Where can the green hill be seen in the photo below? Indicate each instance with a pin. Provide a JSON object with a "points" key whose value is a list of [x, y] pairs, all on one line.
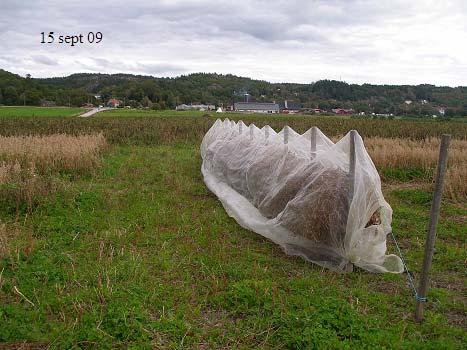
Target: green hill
{"points": [[161, 93]]}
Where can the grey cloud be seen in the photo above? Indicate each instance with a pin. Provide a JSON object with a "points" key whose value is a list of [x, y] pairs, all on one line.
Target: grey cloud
{"points": [[102, 62], [41, 59], [119, 66], [298, 40], [160, 68], [10, 59]]}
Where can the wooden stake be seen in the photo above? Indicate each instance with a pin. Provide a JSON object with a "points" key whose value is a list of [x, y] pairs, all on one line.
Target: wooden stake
{"points": [[314, 131], [431, 234], [352, 161]]}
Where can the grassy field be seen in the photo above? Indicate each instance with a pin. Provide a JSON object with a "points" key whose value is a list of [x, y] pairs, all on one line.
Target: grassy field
{"points": [[39, 111], [139, 254]]}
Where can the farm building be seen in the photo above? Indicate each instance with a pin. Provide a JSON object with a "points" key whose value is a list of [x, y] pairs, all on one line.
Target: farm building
{"points": [[290, 107], [47, 103], [342, 111], [313, 110], [256, 107], [196, 107], [113, 103]]}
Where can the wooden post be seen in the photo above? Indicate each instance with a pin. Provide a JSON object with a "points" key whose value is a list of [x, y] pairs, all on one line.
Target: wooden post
{"points": [[286, 134], [352, 161], [314, 131], [431, 234]]}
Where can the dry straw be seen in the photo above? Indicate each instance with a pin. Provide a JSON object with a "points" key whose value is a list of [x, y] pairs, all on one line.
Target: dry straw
{"points": [[403, 153], [53, 152], [422, 154], [27, 161]]}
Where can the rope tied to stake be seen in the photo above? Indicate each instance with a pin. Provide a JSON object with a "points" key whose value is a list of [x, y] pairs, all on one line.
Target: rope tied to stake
{"points": [[410, 278]]}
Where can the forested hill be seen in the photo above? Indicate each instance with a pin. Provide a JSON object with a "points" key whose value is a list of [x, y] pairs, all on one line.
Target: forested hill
{"points": [[154, 92]]}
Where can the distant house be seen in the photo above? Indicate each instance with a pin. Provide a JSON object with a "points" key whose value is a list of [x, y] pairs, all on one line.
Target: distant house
{"points": [[47, 103], [290, 107], [113, 103], [314, 110], [195, 107], [342, 111], [442, 110], [256, 107]]}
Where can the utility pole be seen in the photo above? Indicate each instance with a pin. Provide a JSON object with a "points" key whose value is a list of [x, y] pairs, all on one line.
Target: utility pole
{"points": [[233, 100]]}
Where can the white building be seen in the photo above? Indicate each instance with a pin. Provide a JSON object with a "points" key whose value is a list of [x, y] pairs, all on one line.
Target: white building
{"points": [[195, 107], [256, 107]]}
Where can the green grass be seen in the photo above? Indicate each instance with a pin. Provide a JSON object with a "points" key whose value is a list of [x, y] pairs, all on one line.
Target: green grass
{"points": [[141, 255], [29, 111]]}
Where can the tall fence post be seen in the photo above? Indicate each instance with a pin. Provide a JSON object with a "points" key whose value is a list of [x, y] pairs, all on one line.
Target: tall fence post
{"points": [[286, 134], [313, 141], [352, 161], [431, 233]]}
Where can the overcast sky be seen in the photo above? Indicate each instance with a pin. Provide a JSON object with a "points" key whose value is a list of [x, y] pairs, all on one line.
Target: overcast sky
{"points": [[378, 41]]}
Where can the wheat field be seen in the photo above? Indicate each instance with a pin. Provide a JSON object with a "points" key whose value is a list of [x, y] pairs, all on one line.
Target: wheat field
{"points": [[402, 153], [27, 163], [53, 152]]}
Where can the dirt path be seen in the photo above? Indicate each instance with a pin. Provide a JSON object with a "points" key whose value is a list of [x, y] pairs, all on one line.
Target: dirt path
{"points": [[94, 111]]}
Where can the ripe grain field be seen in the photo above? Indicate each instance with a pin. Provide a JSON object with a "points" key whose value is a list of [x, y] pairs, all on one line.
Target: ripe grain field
{"points": [[140, 254]]}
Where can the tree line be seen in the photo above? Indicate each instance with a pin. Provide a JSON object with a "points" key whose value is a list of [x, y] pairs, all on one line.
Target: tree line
{"points": [[222, 90]]}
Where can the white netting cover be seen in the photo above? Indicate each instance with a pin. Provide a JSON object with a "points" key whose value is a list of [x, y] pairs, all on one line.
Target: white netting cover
{"points": [[299, 194]]}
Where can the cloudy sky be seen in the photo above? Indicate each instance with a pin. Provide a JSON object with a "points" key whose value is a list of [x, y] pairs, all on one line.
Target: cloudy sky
{"points": [[358, 41]]}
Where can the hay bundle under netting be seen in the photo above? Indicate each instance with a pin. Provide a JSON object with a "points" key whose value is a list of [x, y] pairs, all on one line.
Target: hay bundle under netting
{"points": [[314, 198]]}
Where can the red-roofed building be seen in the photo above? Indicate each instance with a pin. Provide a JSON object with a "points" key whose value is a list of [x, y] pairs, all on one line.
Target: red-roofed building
{"points": [[343, 111], [113, 103]]}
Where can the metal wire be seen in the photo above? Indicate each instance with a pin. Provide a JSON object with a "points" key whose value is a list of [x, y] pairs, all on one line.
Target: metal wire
{"points": [[409, 274]]}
